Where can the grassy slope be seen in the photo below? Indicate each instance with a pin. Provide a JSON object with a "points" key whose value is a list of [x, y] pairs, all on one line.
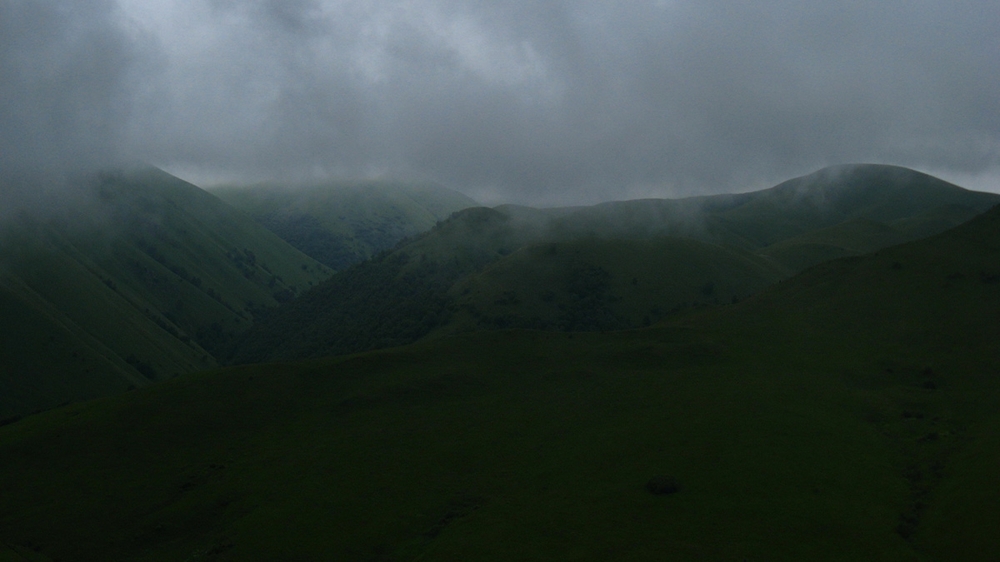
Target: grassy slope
{"points": [[605, 284], [32, 330], [916, 204], [431, 284], [847, 413], [497, 446], [343, 224], [841, 193], [913, 330], [148, 276], [850, 238], [392, 299], [836, 212]]}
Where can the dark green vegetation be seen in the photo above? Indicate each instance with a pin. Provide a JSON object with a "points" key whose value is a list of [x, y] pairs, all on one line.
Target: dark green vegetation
{"points": [[610, 266], [599, 284], [139, 278], [392, 299], [847, 413], [341, 224]]}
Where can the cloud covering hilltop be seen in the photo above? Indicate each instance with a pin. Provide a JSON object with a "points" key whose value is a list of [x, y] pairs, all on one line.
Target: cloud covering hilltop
{"points": [[525, 101]]}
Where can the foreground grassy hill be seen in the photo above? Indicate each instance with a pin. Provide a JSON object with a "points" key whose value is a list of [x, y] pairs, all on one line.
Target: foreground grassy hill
{"points": [[341, 224], [846, 413], [609, 266], [143, 278]]}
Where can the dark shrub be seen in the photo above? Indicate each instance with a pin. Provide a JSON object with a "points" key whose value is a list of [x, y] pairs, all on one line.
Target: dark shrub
{"points": [[661, 485]]}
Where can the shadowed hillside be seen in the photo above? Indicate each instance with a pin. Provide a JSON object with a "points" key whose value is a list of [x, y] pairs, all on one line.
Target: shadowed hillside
{"points": [[600, 284], [146, 277], [846, 413], [573, 269], [392, 299], [907, 204]]}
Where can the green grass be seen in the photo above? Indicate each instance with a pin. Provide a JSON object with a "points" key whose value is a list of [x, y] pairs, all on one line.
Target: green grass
{"points": [[877, 193], [605, 284], [537, 451], [146, 277], [393, 299], [883, 194], [847, 413], [851, 238], [573, 268]]}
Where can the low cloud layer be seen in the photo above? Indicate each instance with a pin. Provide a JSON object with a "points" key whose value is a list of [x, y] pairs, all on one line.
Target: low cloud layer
{"points": [[541, 101]]}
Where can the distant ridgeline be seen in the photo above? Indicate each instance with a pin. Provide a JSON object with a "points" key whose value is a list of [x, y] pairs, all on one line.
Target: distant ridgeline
{"points": [[610, 266], [144, 276], [341, 224], [141, 277]]}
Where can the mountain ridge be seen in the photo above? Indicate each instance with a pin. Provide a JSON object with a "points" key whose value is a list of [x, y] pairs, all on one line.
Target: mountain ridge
{"points": [[342, 223], [143, 278], [846, 412], [832, 213]]}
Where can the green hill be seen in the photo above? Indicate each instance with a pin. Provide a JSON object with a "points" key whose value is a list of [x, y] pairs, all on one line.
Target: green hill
{"points": [[144, 278], [846, 413], [917, 204], [849, 238], [573, 268], [341, 224], [599, 284], [392, 299]]}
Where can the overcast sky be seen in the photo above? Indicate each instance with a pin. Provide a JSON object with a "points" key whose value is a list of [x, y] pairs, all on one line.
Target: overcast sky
{"points": [[530, 101]]}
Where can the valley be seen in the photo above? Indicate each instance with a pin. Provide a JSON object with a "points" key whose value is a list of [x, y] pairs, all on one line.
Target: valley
{"points": [[147, 277], [811, 369], [341, 224], [434, 281], [610, 266]]}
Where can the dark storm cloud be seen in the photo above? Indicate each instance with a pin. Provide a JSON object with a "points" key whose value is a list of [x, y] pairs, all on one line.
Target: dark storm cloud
{"points": [[532, 101]]}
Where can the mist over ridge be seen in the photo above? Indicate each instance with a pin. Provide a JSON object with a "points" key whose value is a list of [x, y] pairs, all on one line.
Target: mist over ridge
{"points": [[547, 103]]}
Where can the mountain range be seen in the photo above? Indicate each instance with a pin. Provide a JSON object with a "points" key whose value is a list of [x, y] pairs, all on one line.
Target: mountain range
{"points": [[845, 411], [611, 266]]}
